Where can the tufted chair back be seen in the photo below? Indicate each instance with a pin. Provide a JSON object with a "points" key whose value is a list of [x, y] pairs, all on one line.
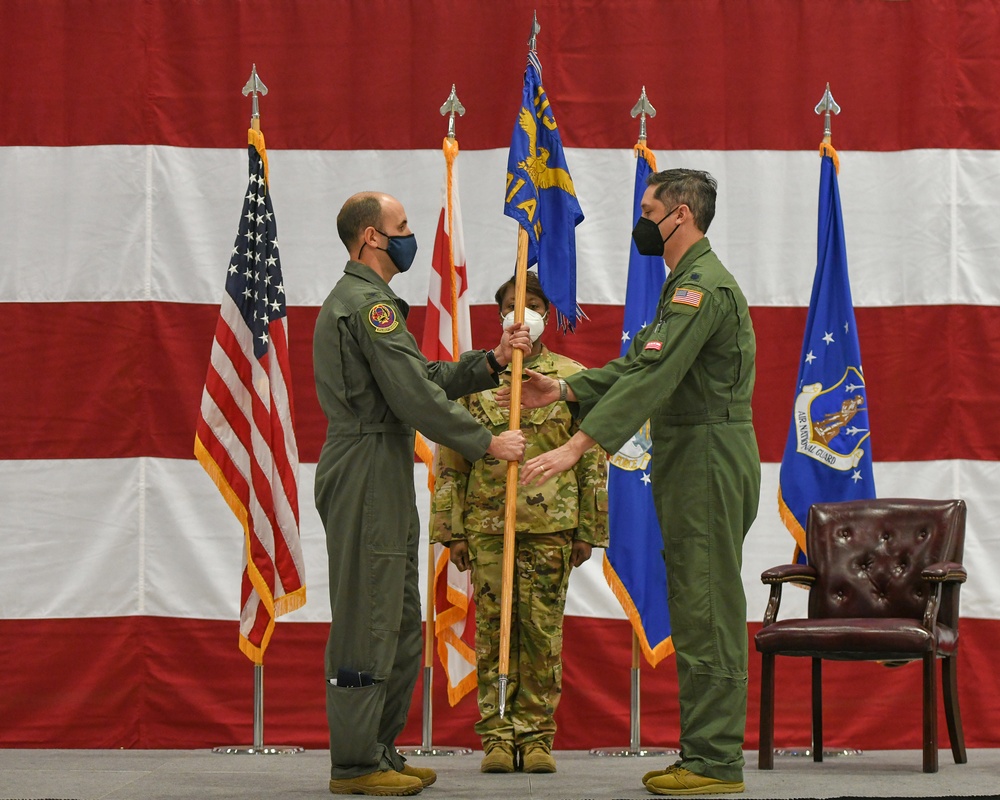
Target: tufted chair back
{"points": [[869, 555]]}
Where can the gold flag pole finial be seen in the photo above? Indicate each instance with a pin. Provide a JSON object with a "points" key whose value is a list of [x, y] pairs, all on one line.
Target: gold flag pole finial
{"points": [[643, 109], [451, 107], [826, 106], [255, 86]]}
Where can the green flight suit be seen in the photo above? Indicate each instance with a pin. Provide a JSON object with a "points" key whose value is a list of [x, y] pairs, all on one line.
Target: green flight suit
{"points": [[691, 373], [375, 387]]}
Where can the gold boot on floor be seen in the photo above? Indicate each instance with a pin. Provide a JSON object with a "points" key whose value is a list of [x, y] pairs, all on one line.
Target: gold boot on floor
{"points": [[425, 775], [499, 757], [384, 783], [680, 781], [536, 757]]}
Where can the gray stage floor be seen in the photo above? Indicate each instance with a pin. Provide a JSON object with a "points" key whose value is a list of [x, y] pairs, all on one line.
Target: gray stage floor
{"points": [[204, 775]]}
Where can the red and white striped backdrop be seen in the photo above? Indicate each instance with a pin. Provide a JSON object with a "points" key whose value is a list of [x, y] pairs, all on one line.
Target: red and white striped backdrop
{"points": [[123, 164]]}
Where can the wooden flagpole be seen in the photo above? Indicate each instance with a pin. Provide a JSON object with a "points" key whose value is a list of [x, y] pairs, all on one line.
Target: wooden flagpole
{"points": [[510, 510]]}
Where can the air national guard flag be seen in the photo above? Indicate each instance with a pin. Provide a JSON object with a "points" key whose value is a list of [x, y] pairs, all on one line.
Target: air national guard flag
{"points": [[541, 197], [828, 454], [633, 564], [245, 439]]}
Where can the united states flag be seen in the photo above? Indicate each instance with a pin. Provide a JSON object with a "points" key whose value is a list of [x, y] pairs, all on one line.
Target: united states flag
{"points": [[245, 438]]}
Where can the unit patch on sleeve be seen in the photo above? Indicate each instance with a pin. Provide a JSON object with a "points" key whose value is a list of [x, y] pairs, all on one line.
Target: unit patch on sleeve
{"points": [[383, 318], [689, 297]]}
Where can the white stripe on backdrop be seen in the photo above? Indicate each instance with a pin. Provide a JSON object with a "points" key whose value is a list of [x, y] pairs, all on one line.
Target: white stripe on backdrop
{"points": [[154, 222], [121, 537]]}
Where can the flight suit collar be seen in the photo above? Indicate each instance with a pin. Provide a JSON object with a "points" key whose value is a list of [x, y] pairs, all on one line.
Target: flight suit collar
{"points": [[694, 252], [366, 273]]}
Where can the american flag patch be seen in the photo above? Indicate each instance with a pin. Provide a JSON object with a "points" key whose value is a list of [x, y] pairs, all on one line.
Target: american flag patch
{"points": [[689, 297]]}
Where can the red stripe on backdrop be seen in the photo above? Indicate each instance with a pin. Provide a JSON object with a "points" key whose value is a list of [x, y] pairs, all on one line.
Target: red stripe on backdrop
{"points": [[170, 72], [143, 366], [153, 682]]}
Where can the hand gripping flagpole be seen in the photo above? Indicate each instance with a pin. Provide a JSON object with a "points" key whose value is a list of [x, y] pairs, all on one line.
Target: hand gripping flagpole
{"points": [[641, 109], [510, 504], [256, 86], [451, 107]]}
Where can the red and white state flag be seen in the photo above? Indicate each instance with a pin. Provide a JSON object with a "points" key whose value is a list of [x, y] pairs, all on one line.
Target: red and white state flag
{"points": [[448, 333]]}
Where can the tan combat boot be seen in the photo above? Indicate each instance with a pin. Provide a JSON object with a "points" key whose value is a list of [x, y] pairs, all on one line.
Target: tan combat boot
{"points": [[425, 775], [536, 757], [680, 781], [499, 757], [386, 782]]}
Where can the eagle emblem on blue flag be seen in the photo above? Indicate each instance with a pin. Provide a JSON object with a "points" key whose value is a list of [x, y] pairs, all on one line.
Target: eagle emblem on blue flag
{"points": [[832, 424]]}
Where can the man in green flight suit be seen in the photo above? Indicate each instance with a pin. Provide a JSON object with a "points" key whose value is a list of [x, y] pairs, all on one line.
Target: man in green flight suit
{"points": [[691, 374], [375, 388]]}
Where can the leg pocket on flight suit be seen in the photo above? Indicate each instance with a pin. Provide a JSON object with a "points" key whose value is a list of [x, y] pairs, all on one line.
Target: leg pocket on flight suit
{"points": [[385, 587], [354, 714]]}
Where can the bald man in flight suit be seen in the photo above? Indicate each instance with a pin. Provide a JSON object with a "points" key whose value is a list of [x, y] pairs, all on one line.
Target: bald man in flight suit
{"points": [[375, 388]]}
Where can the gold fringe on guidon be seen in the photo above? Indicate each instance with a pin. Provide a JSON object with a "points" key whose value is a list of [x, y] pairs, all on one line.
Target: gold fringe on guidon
{"points": [[654, 655]]}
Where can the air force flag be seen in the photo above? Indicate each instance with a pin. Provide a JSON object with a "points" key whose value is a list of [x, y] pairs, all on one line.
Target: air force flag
{"points": [[828, 455]]}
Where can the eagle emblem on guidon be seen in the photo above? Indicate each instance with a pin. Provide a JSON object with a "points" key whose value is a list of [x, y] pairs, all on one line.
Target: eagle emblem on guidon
{"points": [[823, 417], [634, 454]]}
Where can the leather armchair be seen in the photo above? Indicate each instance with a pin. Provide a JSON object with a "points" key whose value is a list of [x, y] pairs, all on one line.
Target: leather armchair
{"points": [[883, 578]]}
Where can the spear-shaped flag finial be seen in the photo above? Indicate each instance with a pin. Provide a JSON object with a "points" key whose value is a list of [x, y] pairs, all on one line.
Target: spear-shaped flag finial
{"points": [[643, 109], [827, 105], [451, 107], [255, 86], [535, 30]]}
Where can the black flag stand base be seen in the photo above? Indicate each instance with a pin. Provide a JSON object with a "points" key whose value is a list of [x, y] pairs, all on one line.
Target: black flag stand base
{"points": [[634, 749], [426, 748], [258, 748]]}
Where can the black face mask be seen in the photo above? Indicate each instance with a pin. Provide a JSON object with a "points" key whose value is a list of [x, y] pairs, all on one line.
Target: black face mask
{"points": [[647, 237]]}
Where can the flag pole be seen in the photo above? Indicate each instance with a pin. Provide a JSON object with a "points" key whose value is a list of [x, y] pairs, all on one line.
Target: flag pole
{"points": [[510, 504], [826, 106], [510, 509], [256, 86], [451, 107], [641, 109]]}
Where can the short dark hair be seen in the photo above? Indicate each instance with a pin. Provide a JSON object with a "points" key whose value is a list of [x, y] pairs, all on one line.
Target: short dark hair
{"points": [[361, 211], [691, 187], [531, 284]]}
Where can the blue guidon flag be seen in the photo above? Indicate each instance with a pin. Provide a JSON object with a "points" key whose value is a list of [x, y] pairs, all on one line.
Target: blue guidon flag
{"points": [[633, 566], [541, 197], [828, 455]]}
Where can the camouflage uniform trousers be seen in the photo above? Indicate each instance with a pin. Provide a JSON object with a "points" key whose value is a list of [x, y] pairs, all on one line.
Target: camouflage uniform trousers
{"points": [[541, 577]]}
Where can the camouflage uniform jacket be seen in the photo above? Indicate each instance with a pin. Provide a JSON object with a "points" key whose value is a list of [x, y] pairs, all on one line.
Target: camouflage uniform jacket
{"points": [[469, 496]]}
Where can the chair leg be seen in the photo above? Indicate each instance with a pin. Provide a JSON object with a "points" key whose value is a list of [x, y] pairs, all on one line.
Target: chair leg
{"points": [[930, 713], [765, 749], [817, 708], [952, 712]]}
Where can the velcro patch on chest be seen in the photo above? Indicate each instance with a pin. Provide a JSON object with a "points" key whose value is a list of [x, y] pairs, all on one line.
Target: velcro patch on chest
{"points": [[382, 317], [653, 346], [687, 297]]}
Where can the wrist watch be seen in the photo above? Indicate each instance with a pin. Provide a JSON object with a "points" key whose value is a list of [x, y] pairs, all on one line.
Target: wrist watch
{"points": [[491, 359]]}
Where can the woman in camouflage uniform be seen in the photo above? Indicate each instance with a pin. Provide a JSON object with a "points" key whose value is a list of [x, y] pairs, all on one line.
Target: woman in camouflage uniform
{"points": [[557, 525]]}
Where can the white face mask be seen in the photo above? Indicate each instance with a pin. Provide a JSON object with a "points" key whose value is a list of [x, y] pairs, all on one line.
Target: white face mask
{"points": [[534, 321]]}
